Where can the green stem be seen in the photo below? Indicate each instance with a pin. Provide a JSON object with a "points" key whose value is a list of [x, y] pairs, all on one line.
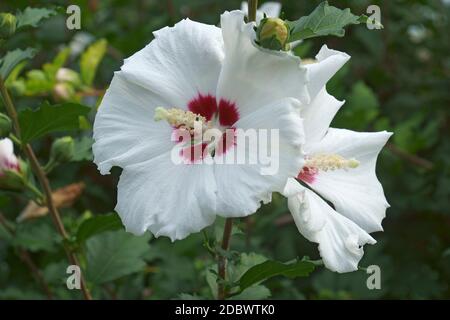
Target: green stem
{"points": [[15, 140], [207, 244], [252, 7], [222, 260], [50, 166]]}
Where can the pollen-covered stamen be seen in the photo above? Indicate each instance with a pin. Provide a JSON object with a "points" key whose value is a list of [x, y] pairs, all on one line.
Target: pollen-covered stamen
{"points": [[329, 162], [324, 162], [181, 119]]}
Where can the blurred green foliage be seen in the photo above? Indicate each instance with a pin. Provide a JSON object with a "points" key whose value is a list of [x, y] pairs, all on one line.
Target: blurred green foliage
{"points": [[398, 80]]}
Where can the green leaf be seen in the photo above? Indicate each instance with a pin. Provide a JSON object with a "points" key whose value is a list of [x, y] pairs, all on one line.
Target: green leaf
{"points": [[60, 60], [235, 272], [32, 16], [367, 20], [361, 109], [115, 254], [50, 118], [98, 224], [270, 269], [258, 292], [325, 20], [90, 60], [36, 236], [13, 58], [189, 297], [15, 72]]}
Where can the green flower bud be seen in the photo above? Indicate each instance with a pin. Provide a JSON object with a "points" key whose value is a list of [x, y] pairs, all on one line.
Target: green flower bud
{"points": [[7, 25], [68, 75], [63, 150], [18, 87], [11, 180], [5, 125], [14, 177], [273, 33], [63, 91]]}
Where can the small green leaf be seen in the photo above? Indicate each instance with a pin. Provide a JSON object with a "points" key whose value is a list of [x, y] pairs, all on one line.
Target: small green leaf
{"points": [[258, 292], [325, 20], [13, 58], [367, 20], [115, 254], [32, 16], [36, 236], [235, 272], [15, 72], [270, 269], [90, 60], [361, 109], [97, 225], [50, 118]]}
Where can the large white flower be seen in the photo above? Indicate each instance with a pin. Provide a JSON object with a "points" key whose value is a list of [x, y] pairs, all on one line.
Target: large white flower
{"points": [[340, 167], [222, 77]]}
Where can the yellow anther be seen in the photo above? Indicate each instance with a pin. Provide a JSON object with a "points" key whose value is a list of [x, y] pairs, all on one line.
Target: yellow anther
{"points": [[307, 61], [178, 117], [326, 162]]}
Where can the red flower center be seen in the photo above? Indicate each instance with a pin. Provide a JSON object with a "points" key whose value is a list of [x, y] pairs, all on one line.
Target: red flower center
{"points": [[223, 114], [208, 107]]}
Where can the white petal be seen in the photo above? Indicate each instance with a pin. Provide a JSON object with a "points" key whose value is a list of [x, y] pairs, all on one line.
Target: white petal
{"points": [[292, 188], [318, 116], [251, 76], [124, 130], [7, 157], [180, 63], [271, 9], [355, 193], [6, 148], [329, 62], [340, 240], [242, 187], [167, 199]]}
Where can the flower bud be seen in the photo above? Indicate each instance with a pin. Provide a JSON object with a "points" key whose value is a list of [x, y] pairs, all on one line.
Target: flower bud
{"points": [[18, 87], [68, 75], [8, 160], [63, 91], [12, 180], [273, 33], [5, 125], [7, 25], [11, 176], [63, 150]]}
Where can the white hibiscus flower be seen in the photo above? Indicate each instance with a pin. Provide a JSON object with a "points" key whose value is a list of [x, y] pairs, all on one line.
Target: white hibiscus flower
{"points": [[220, 77], [340, 167]]}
